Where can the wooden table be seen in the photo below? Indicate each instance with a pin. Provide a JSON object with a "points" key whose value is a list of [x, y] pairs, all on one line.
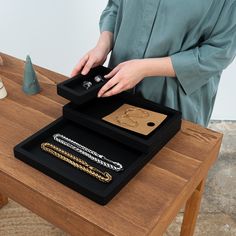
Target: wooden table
{"points": [[146, 206]]}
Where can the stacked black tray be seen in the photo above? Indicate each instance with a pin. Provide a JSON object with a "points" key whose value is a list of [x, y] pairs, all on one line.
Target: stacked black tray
{"points": [[82, 122]]}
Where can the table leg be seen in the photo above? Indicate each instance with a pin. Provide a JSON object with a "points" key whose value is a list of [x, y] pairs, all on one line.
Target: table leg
{"points": [[191, 211], [3, 200]]}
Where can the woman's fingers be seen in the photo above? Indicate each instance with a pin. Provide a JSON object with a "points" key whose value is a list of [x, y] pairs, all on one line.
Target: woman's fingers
{"points": [[112, 82], [118, 88], [79, 66], [113, 72], [75, 72], [87, 67]]}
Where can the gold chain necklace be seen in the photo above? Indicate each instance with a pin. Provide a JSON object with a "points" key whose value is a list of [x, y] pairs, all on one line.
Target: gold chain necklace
{"points": [[76, 162]]}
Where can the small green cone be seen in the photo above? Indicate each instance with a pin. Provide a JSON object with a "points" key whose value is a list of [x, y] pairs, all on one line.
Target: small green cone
{"points": [[30, 82]]}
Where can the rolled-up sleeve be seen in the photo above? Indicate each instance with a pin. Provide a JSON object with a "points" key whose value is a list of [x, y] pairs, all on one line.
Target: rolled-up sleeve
{"points": [[108, 17], [196, 66]]}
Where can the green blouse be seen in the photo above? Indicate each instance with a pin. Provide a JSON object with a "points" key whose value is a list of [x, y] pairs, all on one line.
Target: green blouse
{"points": [[198, 35]]}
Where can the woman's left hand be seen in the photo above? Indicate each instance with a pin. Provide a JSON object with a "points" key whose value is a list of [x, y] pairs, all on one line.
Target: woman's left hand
{"points": [[123, 77]]}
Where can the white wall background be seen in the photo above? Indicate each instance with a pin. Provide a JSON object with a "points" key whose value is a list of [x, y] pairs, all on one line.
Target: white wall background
{"points": [[56, 33]]}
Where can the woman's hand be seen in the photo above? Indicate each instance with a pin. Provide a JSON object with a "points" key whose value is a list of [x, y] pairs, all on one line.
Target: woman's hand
{"points": [[127, 74], [95, 57], [123, 77]]}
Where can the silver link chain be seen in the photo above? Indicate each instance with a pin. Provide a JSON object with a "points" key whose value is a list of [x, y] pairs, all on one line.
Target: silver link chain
{"points": [[92, 155]]}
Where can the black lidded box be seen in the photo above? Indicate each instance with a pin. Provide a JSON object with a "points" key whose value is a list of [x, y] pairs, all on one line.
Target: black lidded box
{"points": [[82, 122], [73, 89]]}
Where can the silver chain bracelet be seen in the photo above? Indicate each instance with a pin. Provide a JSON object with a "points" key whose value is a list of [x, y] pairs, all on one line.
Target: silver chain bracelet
{"points": [[92, 155]]}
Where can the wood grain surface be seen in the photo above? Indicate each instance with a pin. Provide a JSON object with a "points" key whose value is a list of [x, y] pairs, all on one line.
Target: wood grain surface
{"points": [[145, 206]]}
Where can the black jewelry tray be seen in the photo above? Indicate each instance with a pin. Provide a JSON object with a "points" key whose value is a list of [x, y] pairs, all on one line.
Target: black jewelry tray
{"points": [[29, 151], [90, 115], [73, 90]]}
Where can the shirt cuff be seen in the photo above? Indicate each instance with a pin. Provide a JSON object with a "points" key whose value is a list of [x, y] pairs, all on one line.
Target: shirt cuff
{"points": [[186, 69], [108, 24]]}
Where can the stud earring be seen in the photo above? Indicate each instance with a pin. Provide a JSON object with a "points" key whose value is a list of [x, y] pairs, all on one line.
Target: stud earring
{"points": [[98, 78]]}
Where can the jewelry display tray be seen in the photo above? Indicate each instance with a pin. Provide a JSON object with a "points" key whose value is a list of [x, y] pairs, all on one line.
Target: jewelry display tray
{"points": [[29, 151], [90, 115], [73, 90], [83, 124]]}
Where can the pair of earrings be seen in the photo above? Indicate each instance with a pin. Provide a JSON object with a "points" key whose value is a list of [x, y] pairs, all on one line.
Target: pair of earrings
{"points": [[87, 84], [129, 114]]}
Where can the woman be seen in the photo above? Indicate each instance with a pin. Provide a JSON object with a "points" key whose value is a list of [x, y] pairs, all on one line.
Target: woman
{"points": [[170, 52]]}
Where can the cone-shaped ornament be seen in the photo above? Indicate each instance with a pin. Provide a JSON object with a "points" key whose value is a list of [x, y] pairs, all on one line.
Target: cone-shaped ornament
{"points": [[30, 82], [3, 92]]}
